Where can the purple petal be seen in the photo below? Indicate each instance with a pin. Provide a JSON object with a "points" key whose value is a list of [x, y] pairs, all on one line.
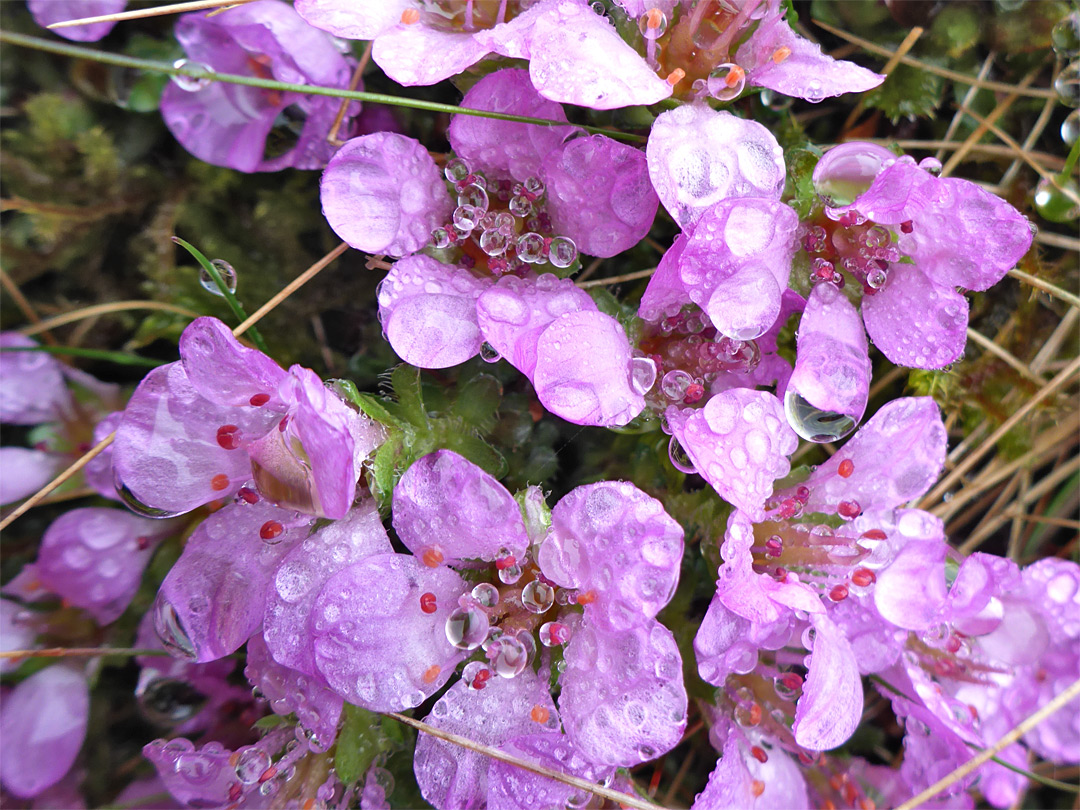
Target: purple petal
{"points": [[226, 373], [739, 442], [428, 311], [831, 705], [195, 778], [17, 632], [1054, 585], [32, 388], [577, 57], [506, 148], [213, 598], [166, 450], [46, 714], [511, 787], [98, 472], [730, 785], [614, 540], [832, 366], [374, 644], [453, 777], [514, 38], [973, 607], [805, 72], [446, 501], [698, 157], [349, 19], [419, 55], [599, 194], [583, 371], [723, 644], [291, 692], [515, 312], [95, 557], [623, 701], [666, 295], [915, 321], [894, 458], [47, 12], [25, 472], [383, 193], [737, 262], [910, 593], [303, 572]]}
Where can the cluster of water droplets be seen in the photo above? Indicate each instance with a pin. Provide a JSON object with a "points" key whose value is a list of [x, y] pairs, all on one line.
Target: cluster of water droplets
{"points": [[513, 237], [1056, 199]]}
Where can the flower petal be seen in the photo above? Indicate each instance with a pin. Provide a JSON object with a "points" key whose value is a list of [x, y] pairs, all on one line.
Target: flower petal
{"points": [[911, 592], [32, 388], [25, 472], [666, 295], [344, 19], [47, 12], [831, 704], [444, 53], [226, 373]]}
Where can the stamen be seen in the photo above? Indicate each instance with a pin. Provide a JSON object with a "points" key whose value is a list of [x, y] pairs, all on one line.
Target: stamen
{"points": [[839, 593], [271, 530], [849, 510], [431, 556], [863, 577], [874, 534], [586, 598], [907, 227], [219, 482], [539, 714], [676, 76], [758, 753], [846, 468], [259, 399], [248, 495], [757, 787], [228, 436], [431, 673], [410, 16], [428, 603], [735, 75], [781, 53]]}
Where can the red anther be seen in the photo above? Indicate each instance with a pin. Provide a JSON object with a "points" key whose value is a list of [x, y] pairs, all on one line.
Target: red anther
{"points": [[427, 603], [1040, 675], [431, 557], [907, 227], [806, 759], [284, 423], [759, 754], [248, 495], [792, 680], [268, 774], [802, 494], [694, 393], [481, 679], [235, 792], [755, 717], [863, 577], [781, 53], [835, 782], [505, 562], [259, 399], [774, 546], [410, 16], [676, 76], [973, 712], [849, 510], [539, 714], [219, 482], [431, 673], [654, 18], [846, 468], [270, 530], [735, 75], [839, 593], [851, 793], [142, 543], [228, 436], [83, 447], [874, 534], [757, 787], [828, 804], [309, 804], [867, 804], [586, 598], [953, 644], [780, 574]]}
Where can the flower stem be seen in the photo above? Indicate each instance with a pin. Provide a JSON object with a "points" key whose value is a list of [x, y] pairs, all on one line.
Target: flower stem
{"points": [[1070, 162], [120, 60]]}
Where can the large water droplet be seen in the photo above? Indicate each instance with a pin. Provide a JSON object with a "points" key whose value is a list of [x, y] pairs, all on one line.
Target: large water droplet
{"points": [[680, 459], [494, 242], [474, 196], [1065, 36], [537, 596], [1057, 204], [456, 170], [847, 170], [466, 217], [1067, 85], [553, 634], [642, 374], [1070, 128], [486, 594], [511, 657], [653, 24], [466, 628], [562, 252], [488, 353], [251, 764], [171, 630], [227, 273], [135, 505], [168, 701], [530, 247], [192, 83], [814, 424], [726, 81], [675, 383]]}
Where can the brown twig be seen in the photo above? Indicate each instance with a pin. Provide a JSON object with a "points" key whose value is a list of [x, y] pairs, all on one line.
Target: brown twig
{"points": [[354, 82]]}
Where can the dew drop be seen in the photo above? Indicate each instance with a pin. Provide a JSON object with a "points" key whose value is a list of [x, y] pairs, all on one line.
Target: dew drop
{"points": [[135, 505], [169, 701], [642, 374], [511, 657], [814, 424], [530, 247], [1070, 128], [510, 574], [456, 170], [846, 171], [440, 238], [251, 764], [552, 634], [1065, 36], [562, 252], [475, 196], [466, 217], [494, 242], [680, 459], [485, 594], [466, 628], [171, 630], [195, 83], [537, 596], [726, 81], [488, 353], [653, 24], [227, 273], [1056, 204], [1067, 85]]}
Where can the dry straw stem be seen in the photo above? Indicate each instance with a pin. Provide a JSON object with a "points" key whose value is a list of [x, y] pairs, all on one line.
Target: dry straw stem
{"points": [[1034, 281], [157, 11], [104, 309], [1002, 354], [604, 282], [78, 652], [624, 799], [27, 309], [969, 96], [987, 754], [945, 73], [890, 66]]}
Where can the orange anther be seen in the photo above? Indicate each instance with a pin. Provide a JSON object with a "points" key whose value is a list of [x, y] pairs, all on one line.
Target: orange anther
{"points": [[781, 53], [846, 468], [757, 787], [431, 557], [431, 673], [410, 16], [309, 804], [219, 482], [676, 76], [586, 598], [735, 75], [539, 714], [654, 18]]}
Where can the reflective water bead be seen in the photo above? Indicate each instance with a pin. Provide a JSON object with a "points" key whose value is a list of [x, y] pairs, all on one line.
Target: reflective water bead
{"points": [[441, 238], [227, 273], [251, 764], [474, 195], [504, 222], [653, 24], [821, 270], [493, 242], [194, 83], [1065, 36], [485, 594], [774, 100], [1057, 203], [552, 634], [1067, 85], [815, 238], [642, 374], [815, 424], [510, 574], [510, 657], [534, 186], [565, 596], [170, 630], [562, 252], [680, 459], [530, 247], [876, 277], [472, 670], [726, 81], [1070, 128], [466, 628], [520, 205], [488, 353], [537, 596], [456, 170], [466, 217], [846, 171], [675, 383], [168, 701]]}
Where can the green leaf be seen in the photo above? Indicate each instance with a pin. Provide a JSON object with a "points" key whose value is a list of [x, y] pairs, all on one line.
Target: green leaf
{"points": [[956, 29], [477, 451], [405, 380], [362, 738], [270, 721], [119, 358], [478, 402], [384, 470], [908, 92], [800, 187]]}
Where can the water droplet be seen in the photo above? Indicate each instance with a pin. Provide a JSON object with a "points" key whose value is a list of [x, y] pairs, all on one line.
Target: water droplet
{"points": [[192, 83], [537, 596], [530, 247], [553, 634], [1065, 36], [510, 657], [456, 170], [562, 252], [931, 165], [440, 238], [1067, 85], [846, 171], [534, 186], [168, 701], [680, 459], [475, 674], [510, 574], [774, 100], [520, 205], [474, 196], [653, 24], [488, 353], [135, 505], [171, 630], [1056, 204], [466, 628], [642, 374], [466, 217], [227, 273], [1070, 128], [493, 242], [726, 81], [814, 424], [675, 383], [251, 764], [485, 594], [876, 277]]}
